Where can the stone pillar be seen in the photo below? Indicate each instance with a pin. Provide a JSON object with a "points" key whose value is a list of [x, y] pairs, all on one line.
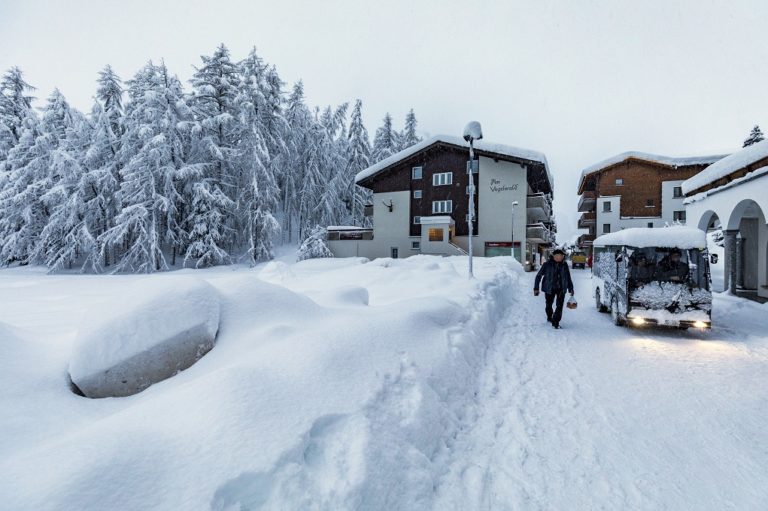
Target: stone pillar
{"points": [[729, 239]]}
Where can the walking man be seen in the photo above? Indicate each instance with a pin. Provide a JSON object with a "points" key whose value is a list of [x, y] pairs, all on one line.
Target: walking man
{"points": [[557, 280]]}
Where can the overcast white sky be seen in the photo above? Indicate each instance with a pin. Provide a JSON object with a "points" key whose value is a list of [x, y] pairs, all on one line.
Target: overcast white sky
{"points": [[580, 80]]}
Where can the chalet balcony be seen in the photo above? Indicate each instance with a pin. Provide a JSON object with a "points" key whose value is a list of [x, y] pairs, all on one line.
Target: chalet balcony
{"points": [[539, 233], [341, 233], [585, 240], [587, 201], [587, 220], [539, 207]]}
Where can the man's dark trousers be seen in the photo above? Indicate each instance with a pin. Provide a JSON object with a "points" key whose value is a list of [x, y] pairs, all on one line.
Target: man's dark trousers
{"points": [[557, 315]]}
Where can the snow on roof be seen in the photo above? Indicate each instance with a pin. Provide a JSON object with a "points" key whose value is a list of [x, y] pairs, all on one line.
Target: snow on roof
{"points": [[727, 165], [669, 237], [479, 145], [762, 171], [441, 219], [655, 158]]}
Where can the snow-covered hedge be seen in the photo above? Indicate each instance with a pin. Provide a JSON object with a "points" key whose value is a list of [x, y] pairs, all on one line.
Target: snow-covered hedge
{"points": [[314, 246], [153, 330]]}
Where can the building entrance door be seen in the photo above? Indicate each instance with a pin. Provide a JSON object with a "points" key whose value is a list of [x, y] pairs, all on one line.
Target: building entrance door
{"points": [[394, 252]]}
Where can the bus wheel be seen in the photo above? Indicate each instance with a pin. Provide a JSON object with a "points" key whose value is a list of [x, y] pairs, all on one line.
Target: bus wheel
{"points": [[599, 302], [615, 314]]}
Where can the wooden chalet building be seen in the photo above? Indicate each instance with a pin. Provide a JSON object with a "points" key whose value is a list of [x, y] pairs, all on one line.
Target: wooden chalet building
{"points": [[634, 189], [420, 203]]}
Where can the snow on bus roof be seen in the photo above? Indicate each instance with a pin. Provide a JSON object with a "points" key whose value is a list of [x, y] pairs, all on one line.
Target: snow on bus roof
{"points": [[668, 237], [479, 145], [727, 165], [655, 158]]}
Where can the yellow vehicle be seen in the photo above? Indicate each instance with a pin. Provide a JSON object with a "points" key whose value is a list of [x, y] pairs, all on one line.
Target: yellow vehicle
{"points": [[578, 259]]}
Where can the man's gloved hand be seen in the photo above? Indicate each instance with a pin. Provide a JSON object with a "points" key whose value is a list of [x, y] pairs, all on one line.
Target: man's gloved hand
{"points": [[535, 292]]}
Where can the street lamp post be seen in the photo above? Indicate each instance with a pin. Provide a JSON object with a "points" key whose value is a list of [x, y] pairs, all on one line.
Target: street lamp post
{"points": [[472, 132]]}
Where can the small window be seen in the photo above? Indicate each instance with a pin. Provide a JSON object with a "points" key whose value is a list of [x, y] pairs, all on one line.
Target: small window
{"points": [[607, 206], [415, 245], [606, 228], [417, 194], [650, 224], [416, 173], [417, 220], [677, 192], [442, 206], [442, 179], [679, 216], [650, 203], [435, 234], [475, 166], [619, 181]]}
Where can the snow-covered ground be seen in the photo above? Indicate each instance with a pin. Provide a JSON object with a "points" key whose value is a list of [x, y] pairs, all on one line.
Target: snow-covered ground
{"points": [[341, 384]]}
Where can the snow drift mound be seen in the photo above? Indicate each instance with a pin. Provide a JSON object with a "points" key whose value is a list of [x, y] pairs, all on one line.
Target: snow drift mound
{"points": [[153, 330]]}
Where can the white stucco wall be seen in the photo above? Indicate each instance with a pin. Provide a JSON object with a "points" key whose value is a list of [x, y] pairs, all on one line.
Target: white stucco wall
{"points": [[499, 184], [391, 229], [670, 204], [729, 205]]}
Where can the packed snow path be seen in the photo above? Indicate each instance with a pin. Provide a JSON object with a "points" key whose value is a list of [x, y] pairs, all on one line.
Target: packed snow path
{"points": [[599, 417]]}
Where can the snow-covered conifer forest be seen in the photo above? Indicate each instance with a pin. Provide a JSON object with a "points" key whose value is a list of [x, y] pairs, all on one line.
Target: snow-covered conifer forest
{"points": [[161, 174]]}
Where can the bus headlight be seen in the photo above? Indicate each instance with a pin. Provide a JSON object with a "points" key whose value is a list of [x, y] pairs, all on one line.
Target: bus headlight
{"points": [[699, 324], [638, 321]]}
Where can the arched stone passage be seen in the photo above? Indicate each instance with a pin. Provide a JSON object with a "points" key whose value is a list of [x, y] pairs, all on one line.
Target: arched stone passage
{"points": [[709, 222], [746, 243]]}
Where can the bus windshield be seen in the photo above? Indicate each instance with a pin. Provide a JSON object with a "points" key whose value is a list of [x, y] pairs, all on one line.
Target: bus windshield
{"points": [[654, 264]]}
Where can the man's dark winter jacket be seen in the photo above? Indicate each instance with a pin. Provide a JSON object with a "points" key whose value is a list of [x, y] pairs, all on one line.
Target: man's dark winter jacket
{"points": [[548, 272]]}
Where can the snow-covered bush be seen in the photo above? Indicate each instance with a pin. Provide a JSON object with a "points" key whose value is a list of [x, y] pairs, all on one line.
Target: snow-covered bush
{"points": [[314, 246], [153, 330]]}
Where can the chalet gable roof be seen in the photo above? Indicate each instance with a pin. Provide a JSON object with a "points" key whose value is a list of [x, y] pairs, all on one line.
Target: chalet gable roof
{"points": [[656, 159], [482, 148]]}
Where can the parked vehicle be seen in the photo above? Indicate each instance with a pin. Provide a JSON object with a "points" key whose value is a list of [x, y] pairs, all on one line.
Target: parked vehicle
{"points": [[653, 276], [578, 259]]}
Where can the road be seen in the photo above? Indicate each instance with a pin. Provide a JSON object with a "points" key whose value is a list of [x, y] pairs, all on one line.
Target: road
{"points": [[595, 416]]}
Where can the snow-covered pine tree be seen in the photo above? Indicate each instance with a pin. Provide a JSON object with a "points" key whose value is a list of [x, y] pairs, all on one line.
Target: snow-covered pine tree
{"points": [[297, 141], [314, 245], [15, 105], [16, 239], [153, 164], [258, 192], [358, 158], [212, 232], [409, 137], [110, 94], [385, 142], [65, 237], [100, 183], [318, 200], [755, 136]]}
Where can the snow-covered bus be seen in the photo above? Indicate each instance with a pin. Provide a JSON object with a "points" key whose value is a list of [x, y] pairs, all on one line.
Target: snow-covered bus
{"points": [[653, 276]]}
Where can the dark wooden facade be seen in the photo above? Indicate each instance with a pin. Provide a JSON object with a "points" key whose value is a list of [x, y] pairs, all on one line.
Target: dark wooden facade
{"points": [[641, 183]]}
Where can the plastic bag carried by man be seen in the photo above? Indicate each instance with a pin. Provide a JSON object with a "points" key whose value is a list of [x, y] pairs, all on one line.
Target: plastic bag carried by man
{"points": [[554, 278]]}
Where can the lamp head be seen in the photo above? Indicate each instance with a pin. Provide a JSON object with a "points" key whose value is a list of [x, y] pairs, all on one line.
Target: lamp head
{"points": [[473, 131]]}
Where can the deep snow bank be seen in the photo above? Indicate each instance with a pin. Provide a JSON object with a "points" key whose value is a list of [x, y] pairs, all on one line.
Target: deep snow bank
{"points": [[312, 399], [154, 329]]}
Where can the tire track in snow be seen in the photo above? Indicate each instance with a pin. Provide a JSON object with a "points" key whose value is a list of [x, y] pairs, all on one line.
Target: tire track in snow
{"points": [[534, 443]]}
